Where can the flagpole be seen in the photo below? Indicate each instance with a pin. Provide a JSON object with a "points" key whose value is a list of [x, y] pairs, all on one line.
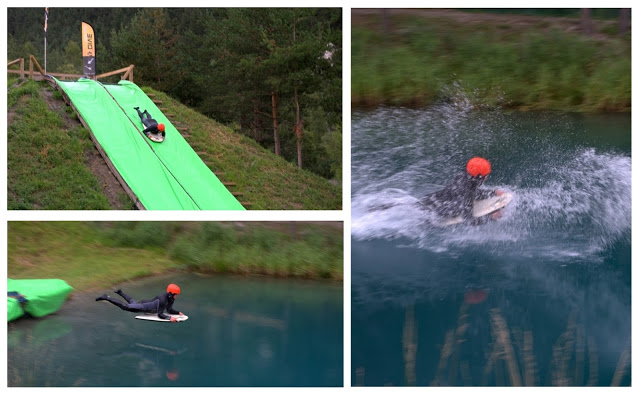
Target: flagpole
{"points": [[46, 19]]}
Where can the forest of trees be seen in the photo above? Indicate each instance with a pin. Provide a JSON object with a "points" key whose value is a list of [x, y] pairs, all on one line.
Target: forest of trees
{"points": [[273, 74]]}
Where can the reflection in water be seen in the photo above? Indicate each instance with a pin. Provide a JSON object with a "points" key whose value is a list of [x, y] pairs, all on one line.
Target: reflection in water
{"points": [[34, 362], [511, 360], [162, 358], [540, 297]]}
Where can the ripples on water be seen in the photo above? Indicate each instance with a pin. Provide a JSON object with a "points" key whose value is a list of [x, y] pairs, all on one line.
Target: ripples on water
{"points": [[571, 200]]}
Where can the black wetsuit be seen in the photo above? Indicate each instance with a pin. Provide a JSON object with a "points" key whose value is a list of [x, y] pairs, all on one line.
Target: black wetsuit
{"points": [[456, 198], [158, 304], [151, 125]]}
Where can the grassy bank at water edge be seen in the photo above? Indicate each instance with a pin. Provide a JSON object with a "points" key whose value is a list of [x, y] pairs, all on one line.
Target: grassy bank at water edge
{"points": [[100, 254]]}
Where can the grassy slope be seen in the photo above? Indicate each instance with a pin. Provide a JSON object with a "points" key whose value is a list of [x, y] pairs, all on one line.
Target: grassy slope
{"points": [[46, 157], [97, 255], [532, 63], [75, 252], [266, 180], [47, 165]]}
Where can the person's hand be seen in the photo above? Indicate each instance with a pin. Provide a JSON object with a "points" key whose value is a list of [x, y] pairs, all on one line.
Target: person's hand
{"points": [[180, 313], [499, 192], [496, 215], [173, 319]]}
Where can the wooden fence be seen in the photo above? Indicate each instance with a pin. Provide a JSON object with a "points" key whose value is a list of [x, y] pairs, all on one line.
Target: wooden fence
{"points": [[39, 73]]}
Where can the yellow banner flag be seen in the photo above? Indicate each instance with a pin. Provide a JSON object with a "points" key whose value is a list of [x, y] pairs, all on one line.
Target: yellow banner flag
{"points": [[88, 50]]}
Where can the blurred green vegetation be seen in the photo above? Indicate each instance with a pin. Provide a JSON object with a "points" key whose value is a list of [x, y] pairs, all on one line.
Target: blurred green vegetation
{"points": [[530, 66], [600, 13], [99, 254]]}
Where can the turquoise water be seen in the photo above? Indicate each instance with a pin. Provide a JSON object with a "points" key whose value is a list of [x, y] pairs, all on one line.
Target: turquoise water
{"points": [[240, 332], [540, 297]]}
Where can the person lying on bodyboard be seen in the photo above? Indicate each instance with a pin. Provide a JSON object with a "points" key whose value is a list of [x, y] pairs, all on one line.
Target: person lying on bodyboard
{"points": [[457, 198], [158, 304], [152, 130]]}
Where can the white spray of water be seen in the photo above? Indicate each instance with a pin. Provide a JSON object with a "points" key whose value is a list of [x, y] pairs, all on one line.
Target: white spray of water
{"points": [[569, 202]]}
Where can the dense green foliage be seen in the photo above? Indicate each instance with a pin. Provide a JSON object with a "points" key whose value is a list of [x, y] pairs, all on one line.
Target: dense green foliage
{"points": [[100, 254], [224, 63], [47, 167], [428, 58], [292, 249]]}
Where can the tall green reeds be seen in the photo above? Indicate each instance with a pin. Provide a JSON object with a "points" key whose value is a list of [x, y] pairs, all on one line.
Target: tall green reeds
{"points": [[498, 66], [218, 247], [281, 249]]}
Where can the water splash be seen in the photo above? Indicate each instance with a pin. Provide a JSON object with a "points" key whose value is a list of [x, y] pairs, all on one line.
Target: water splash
{"points": [[571, 201]]}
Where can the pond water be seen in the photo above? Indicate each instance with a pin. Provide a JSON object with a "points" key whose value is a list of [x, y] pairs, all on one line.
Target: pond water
{"points": [[240, 332], [540, 297]]}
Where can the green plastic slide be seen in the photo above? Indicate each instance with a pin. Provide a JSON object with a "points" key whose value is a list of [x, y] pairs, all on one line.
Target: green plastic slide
{"points": [[44, 296], [175, 153], [14, 310], [164, 176]]}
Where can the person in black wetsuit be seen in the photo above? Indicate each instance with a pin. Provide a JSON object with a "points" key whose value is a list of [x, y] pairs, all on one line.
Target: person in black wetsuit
{"points": [[158, 304], [151, 125], [456, 199]]}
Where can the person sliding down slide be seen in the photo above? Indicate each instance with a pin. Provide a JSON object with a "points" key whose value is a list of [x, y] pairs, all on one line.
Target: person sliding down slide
{"points": [[457, 198], [157, 304], [153, 130]]}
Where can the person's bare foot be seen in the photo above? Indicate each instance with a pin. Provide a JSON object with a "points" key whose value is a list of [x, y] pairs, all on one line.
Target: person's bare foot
{"points": [[496, 215]]}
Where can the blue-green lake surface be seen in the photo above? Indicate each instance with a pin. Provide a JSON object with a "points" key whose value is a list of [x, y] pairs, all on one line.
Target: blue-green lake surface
{"points": [[540, 297], [240, 332]]}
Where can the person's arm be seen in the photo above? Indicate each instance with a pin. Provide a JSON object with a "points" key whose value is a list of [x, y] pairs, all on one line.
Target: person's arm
{"points": [[171, 310], [169, 307], [469, 196], [161, 306], [486, 193], [483, 193], [467, 212]]}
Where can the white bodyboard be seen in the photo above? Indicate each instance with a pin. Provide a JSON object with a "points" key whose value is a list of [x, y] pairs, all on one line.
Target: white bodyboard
{"points": [[156, 137], [154, 317], [483, 207]]}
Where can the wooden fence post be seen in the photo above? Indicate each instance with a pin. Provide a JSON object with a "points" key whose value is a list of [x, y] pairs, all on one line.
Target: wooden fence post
{"points": [[33, 64]]}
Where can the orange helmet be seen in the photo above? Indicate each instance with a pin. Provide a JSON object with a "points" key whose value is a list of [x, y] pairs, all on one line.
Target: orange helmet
{"points": [[161, 127], [173, 289], [478, 166]]}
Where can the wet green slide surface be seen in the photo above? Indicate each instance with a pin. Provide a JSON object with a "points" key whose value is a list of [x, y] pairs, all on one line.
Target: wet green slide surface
{"points": [[196, 178], [165, 176]]}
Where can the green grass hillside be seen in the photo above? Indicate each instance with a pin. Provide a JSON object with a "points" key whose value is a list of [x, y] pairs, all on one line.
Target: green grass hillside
{"points": [[52, 163]]}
